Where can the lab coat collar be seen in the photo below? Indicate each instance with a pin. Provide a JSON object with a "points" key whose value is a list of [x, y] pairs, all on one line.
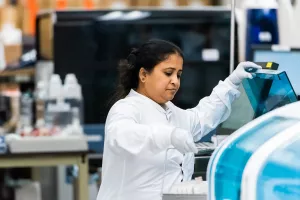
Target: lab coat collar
{"points": [[165, 110]]}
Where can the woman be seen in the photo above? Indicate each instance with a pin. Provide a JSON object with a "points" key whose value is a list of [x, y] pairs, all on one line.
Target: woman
{"points": [[143, 123]]}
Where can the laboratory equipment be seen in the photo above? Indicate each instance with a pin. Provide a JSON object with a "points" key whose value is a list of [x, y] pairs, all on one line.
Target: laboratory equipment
{"points": [[261, 27], [268, 65], [266, 92], [269, 90], [272, 172], [73, 95], [40, 95], [287, 58], [188, 190], [185, 197], [206, 146], [58, 112], [26, 112]]}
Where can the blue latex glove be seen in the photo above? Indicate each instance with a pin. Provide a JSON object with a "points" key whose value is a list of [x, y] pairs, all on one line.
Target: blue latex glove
{"points": [[240, 72]]}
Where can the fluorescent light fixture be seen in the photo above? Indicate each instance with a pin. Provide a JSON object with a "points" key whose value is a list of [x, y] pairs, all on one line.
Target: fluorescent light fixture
{"points": [[111, 15], [134, 15]]}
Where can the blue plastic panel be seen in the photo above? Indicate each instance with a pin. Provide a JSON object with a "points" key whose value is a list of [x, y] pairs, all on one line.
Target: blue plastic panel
{"points": [[230, 166], [280, 177], [268, 91], [260, 95]]}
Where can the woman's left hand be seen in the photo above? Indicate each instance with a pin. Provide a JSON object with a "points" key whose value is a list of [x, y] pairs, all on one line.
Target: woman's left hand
{"points": [[240, 72]]}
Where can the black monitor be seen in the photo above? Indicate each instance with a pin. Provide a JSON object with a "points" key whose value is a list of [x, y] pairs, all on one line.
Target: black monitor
{"points": [[91, 43]]}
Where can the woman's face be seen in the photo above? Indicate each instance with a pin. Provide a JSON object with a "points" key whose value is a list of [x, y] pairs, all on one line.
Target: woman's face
{"points": [[163, 82]]}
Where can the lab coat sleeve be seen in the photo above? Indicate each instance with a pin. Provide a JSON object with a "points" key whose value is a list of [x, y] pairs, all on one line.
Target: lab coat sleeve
{"points": [[213, 110], [207, 115], [124, 134]]}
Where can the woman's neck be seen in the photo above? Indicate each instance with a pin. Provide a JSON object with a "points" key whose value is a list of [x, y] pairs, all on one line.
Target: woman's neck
{"points": [[143, 92]]}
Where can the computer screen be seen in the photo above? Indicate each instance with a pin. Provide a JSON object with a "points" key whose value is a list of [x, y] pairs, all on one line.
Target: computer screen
{"points": [[288, 61]]}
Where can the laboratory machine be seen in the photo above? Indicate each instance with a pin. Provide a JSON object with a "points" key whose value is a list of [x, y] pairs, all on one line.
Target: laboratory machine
{"points": [[261, 27], [273, 171], [269, 90]]}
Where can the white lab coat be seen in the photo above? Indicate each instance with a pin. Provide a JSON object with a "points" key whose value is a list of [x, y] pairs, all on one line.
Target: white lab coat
{"points": [[137, 135]]}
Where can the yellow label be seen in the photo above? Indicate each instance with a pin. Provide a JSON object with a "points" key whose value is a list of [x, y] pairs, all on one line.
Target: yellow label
{"points": [[269, 65]]}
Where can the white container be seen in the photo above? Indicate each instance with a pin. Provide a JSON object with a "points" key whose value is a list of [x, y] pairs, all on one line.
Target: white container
{"points": [[2, 56], [73, 95], [58, 112]]}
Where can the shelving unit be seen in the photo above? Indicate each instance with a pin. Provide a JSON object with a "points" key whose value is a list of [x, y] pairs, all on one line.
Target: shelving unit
{"points": [[28, 71]]}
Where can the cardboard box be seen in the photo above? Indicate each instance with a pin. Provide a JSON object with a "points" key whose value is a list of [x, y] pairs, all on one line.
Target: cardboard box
{"points": [[75, 4], [188, 2], [12, 53], [8, 15], [28, 11], [142, 3], [105, 4], [155, 3], [46, 4], [46, 38], [26, 22], [207, 2], [182, 2]]}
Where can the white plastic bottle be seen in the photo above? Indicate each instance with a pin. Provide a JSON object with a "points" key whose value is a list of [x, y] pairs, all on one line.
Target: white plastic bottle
{"points": [[195, 4], [168, 4], [73, 94], [58, 112], [40, 100], [26, 112], [119, 4], [2, 55]]}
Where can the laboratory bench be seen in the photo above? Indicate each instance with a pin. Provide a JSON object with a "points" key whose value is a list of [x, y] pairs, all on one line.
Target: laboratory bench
{"points": [[49, 159]]}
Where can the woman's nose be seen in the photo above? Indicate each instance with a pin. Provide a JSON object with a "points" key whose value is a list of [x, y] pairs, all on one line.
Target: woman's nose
{"points": [[175, 80]]}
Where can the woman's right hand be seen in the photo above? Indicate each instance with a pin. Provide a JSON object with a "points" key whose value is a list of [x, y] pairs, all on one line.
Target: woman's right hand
{"points": [[240, 72], [183, 141]]}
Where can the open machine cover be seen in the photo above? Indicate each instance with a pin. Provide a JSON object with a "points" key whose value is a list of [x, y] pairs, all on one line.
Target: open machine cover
{"points": [[268, 90]]}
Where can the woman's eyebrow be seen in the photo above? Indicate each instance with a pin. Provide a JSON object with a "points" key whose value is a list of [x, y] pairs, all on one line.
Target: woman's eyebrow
{"points": [[173, 68]]}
